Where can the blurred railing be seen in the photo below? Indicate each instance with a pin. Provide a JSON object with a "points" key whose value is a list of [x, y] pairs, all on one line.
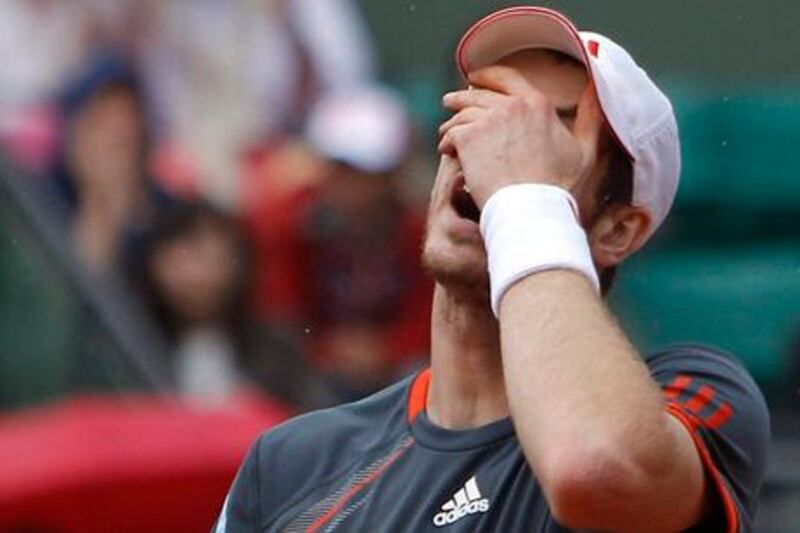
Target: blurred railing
{"points": [[62, 330]]}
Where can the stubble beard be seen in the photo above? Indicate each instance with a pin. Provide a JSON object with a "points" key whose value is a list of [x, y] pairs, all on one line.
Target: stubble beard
{"points": [[453, 270]]}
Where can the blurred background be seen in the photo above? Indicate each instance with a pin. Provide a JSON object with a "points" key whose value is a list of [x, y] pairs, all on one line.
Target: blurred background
{"points": [[211, 212]]}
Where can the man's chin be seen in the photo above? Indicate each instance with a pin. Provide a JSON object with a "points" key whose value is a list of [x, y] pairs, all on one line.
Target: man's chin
{"points": [[457, 275]]}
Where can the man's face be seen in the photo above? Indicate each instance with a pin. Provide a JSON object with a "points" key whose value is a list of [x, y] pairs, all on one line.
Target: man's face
{"points": [[194, 273], [453, 251], [356, 195]]}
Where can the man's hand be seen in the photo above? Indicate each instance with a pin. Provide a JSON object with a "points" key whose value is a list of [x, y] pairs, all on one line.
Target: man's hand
{"points": [[501, 140]]}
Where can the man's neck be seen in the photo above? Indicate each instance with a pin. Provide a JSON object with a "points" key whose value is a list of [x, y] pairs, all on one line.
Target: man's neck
{"points": [[467, 387]]}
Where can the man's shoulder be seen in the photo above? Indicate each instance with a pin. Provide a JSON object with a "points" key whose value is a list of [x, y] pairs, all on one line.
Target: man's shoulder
{"points": [[288, 463], [345, 418], [680, 365], [715, 397], [334, 435], [696, 357]]}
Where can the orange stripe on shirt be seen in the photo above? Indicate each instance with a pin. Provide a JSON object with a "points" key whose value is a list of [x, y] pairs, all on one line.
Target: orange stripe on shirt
{"points": [[701, 399], [691, 425], [418, 396], [719, 417], [677, 387]]}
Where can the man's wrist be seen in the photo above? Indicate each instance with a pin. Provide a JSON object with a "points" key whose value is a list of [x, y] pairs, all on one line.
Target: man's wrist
{"points": [[530, 228]]}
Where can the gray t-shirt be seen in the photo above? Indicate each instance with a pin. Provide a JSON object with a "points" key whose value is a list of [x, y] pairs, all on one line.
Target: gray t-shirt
{"points": [[380, 465]]}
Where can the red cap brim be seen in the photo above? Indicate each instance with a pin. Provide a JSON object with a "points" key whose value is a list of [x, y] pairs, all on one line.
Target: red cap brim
{"points": [[517, 28]]}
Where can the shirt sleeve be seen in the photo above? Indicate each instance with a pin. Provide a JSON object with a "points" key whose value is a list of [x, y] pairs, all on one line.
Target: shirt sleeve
{"points": [[241, 512], [721, 407]]}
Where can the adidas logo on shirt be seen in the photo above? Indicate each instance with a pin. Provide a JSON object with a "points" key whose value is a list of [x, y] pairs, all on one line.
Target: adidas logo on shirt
{"points": [[466, 501]]}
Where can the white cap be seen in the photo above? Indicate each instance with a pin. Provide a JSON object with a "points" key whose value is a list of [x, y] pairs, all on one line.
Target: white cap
{"points": [[367, 128], [639, 114]]}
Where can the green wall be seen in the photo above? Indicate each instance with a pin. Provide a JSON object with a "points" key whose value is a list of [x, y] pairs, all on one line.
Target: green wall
{"points": [[714, 41]]}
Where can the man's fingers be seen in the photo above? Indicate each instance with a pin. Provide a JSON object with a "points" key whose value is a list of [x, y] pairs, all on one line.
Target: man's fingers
{"points": [[447, 145], [449, 167], [448, 164], [465, 116], [501, 78], [458, 100], [450, 140]]}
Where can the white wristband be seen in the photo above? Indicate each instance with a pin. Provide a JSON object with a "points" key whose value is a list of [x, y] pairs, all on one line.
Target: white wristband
{"points": [[529, 228]]}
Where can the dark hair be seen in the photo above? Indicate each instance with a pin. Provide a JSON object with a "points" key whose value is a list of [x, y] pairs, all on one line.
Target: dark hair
{"points": [[616, 188], [184, 220], [104, 69]]}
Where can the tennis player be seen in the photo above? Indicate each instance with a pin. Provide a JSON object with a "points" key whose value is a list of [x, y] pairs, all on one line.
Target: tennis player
{"points": [[537, 414]]}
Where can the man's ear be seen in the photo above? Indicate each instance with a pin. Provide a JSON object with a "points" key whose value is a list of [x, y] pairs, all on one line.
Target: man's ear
{"points": [[617, 233]]}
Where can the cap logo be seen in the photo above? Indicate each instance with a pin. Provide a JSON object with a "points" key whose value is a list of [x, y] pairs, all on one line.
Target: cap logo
{"points": [[594, 47]]}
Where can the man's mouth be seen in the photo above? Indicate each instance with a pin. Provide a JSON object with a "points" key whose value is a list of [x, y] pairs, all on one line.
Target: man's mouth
{"points": [[464, 205]]}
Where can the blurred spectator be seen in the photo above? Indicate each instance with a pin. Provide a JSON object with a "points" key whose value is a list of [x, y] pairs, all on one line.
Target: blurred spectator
{"points": [[102, 168], [347, 246], [42, 42], [195, 274], [228, 75]]}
